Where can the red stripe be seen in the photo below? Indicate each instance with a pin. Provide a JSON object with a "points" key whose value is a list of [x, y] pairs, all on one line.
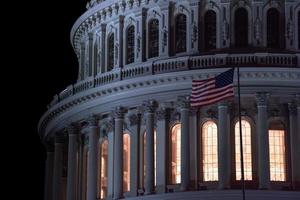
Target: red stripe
{"points": [[211, 101], [201, 81], [212, 96], [197, 94], [203, 85], [199, 91]]}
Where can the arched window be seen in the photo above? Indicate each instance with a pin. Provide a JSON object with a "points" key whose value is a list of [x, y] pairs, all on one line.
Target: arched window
{"points": [[126, 162], [277, 155], [180, 33], [130, 45], [110, 52], [175, 154], [241, 28], [299, 30], [273, 29], [145, 162], [210, 31], [247, 151], [153, 47], [210, 151], [104, 169]]}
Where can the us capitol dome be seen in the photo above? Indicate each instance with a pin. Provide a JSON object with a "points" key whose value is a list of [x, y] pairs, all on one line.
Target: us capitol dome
{"points": [[126, 129]]}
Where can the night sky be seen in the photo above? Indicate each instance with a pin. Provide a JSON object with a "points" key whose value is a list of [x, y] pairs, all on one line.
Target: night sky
{"points": [[44, 69]]}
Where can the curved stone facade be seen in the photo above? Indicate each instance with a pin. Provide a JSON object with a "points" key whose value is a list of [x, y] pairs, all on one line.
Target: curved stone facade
{"points": [[125, 128]]}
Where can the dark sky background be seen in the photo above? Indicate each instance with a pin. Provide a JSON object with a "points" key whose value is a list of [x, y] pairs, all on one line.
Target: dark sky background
{"points": [[46, 66]]}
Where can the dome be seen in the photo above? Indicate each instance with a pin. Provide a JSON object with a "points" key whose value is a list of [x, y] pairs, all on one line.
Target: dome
{"points": [[126, 128]]}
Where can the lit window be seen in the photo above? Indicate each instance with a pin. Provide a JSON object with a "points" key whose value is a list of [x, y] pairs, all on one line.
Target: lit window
{"points": [[104, 167], [277, 155], [210, 31], [210, 151], [153, 38], [154, 156], [180, 33], [110, 59], [130, 45], [126, 162], [175, 154], [247, 153]]}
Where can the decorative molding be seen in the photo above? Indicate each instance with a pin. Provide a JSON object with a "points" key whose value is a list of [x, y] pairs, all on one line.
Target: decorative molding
{"points": [[184, 102], [261, 98]]}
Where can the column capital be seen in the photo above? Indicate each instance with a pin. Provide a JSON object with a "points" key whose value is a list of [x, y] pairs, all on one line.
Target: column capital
{"points": [[133, 118], [119, 112], [261, 98], [162, 113], [73, 129], [184, 102], [150, 106], [292, 108], [60, 138], [297, 100], [92, 120], [223, 104]]}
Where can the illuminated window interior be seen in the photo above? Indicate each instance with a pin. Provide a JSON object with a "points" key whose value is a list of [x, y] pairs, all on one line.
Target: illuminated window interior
{"points": [[175, 154], [104, 167], [247, 153], [210, 151], [277, 155], [154, 157], [126, 162]]}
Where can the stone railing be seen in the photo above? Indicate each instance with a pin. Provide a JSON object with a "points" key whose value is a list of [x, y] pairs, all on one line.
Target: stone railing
{"points": [[178, 64]]}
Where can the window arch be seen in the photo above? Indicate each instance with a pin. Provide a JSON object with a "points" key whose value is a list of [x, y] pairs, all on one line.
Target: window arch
{"points": [[247, 151], [273, 29], [241, 28], [277, 152], [130, 45], [126, 162], [104, 169], [154, 157], [210, 30], [153, 36], [210, 151], [180, 33], [175, 154], [110, 52]]}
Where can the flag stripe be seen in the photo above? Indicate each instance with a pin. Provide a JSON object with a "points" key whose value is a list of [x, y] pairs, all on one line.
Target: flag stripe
{"points": [[211, 101], [215, 95], [209, 91]]}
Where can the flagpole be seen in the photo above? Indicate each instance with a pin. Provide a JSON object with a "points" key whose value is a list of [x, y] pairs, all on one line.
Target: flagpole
{"points": [[241, 139]]}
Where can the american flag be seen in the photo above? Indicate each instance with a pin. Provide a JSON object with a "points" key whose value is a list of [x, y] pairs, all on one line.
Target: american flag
{"points": [[212, 90]]}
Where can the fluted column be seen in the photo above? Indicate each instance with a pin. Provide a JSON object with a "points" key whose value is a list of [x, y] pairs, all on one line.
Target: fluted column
{"points": [[91, 47], [118, 153], [119, 44], [92, 159], [263, 141], [161, 149], [223, 145], [150, 107], [72, 165], [184, 104], [293, 143], [82, 61], [58, 167], [49, 173], [102, 47]]}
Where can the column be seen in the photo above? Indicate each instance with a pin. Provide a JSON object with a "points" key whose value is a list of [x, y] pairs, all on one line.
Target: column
{"points": [[91, 61], [164, 33], [263, 141], [102, 48], [194, 27], [293, 143], [140, 36], [194, 149], [92, 159], [150, 107], [82, 61], [119, 43], [223, 145], [80, 166], [58, 167], [49, 172], [118, 153], [134, 122], [184, 104], [72, 153], [297, 182], [161, 149]]}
